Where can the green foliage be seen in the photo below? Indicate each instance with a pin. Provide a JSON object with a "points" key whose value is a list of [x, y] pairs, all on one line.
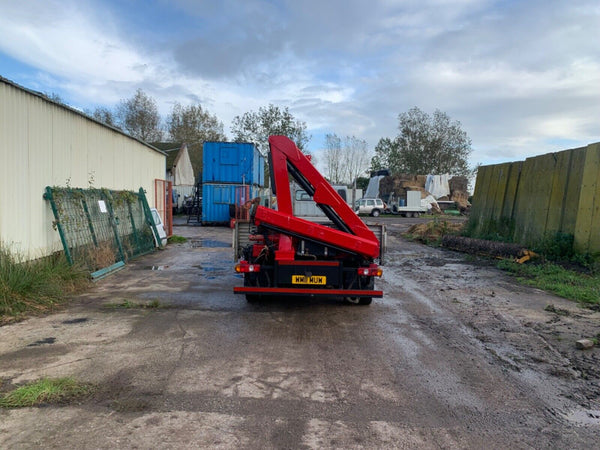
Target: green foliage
{"points": [[176, 239], [492, 230], [256, 127], [33, 286], [192, 124], [574, 285], [45, 391], [154, 304], [426, 144], [120, 198], [104, 115], [139, 117], [362, 183]]}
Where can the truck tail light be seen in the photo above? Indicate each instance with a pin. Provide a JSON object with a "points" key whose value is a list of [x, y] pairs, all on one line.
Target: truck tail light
{"points": [[245, 267], [372, 271]]}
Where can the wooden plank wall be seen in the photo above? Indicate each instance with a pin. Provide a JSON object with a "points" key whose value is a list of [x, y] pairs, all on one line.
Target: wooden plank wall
{"points": [[556, 192]]}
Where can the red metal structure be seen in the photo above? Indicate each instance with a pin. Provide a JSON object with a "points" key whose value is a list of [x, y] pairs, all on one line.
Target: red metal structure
{"points": [[163, 202], [293, 256]]}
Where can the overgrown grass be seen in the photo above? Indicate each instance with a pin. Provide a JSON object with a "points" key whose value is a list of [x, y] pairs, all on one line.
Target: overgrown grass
{"points": [[36, 286], [571, 284], [501, 230], [176, 239], [45, 391]]}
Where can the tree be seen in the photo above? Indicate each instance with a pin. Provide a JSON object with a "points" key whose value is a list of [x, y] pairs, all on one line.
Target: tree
{"points": [[333, 158], [356, 159], [256, 127], [345, 160], [139, 117], [426, 145], [387, 155], [193, 124], [104, 115]]}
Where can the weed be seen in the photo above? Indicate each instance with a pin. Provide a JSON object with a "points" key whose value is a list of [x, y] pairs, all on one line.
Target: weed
{"points": [[581, 287], [129, 304], [154, 304], [501, 230], [45, 391], [38, 285], [176, 239], [125, 304]]}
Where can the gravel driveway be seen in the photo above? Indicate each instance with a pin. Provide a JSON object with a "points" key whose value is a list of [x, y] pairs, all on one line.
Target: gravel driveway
{"points": [[456, 355]]}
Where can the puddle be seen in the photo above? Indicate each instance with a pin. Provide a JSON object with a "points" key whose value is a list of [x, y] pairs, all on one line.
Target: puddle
{"points": [[585, 416], [155, 267], [72, 321], [209, 243], [48, 340]]}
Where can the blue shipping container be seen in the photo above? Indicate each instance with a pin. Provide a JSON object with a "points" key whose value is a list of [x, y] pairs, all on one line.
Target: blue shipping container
{"points": [[216, 199], [232, 162]]}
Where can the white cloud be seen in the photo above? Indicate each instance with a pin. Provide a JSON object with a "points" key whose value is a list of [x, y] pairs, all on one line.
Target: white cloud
{"points": [[520, 76]]}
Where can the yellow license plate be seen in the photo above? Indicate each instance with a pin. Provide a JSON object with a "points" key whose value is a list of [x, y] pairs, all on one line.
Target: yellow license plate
{"points": [[316, 279]]}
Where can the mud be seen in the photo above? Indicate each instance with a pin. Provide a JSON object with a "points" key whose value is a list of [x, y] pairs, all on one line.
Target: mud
{"points": [[456, 355]]}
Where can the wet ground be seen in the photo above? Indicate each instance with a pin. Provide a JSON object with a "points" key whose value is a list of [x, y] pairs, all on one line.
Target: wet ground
{"points": [[456, 355]]}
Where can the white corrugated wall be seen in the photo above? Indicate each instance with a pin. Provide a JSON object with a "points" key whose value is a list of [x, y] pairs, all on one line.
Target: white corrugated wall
{"points": [[43, 144]]}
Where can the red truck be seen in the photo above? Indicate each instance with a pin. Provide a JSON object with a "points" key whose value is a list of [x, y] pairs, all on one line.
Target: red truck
{"points": [[292, 256]]}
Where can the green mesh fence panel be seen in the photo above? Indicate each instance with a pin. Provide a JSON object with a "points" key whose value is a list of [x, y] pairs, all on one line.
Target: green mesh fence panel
{"points": [[99, 227]]}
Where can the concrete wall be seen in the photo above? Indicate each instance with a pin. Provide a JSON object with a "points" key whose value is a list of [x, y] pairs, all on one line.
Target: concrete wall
{"points": [[556, 192], [43, 143]]}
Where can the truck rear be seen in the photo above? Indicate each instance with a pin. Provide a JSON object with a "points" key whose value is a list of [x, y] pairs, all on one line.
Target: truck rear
{"points": [[288, 255]]}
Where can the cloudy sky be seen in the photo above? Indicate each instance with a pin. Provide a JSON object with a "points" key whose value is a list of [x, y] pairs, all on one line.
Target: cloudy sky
{"points": [[523, 77]]}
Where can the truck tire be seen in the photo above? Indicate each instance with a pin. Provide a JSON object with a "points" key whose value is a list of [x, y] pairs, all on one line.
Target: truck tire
{"points": [[416, 214], [375, 213]]}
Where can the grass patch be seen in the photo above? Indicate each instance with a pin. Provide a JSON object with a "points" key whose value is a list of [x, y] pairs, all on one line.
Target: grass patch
{"points": [[46, 391], [176, 239], [36, 286], [581, 287]]}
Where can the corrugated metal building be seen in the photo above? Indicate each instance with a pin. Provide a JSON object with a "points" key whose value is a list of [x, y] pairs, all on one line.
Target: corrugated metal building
{"points": [[44, 143]]}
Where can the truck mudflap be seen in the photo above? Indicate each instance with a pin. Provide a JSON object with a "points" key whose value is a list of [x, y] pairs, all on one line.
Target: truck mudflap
{"points": [[253, 290]]}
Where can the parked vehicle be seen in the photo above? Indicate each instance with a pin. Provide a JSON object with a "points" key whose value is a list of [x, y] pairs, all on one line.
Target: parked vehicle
{"points": [[304, 205], [371, 206], [411, 206], [288, 255], [161, 239]]}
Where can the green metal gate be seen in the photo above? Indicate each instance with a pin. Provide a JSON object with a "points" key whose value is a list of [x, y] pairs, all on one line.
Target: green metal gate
{"points": [[99, 227]]}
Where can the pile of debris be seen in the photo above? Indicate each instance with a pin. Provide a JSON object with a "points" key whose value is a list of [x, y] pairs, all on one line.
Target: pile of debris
{"points": [[441, 187], [433, 231]]}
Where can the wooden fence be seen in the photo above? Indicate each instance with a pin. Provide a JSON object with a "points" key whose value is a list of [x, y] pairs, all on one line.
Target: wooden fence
{"points": [[543, 195]]}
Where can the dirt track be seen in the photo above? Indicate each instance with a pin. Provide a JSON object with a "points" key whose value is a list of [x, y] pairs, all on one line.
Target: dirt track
{"points": [[455, 355]]}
